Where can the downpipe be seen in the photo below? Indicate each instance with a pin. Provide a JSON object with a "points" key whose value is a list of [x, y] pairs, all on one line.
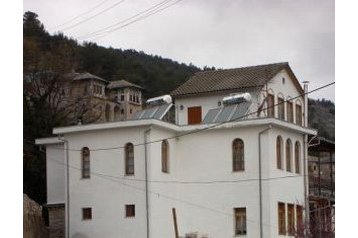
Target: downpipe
{"points": [[260, 178], [146, 134]]}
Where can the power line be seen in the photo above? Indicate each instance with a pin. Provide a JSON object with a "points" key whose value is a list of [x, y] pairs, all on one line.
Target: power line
{"points": [[80, 15], [208, 127], [138, 19], [146, 11], [91, 17]]}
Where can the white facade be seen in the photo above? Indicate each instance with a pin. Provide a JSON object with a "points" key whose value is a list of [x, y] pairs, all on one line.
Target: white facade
{"points": [[200, 184]]}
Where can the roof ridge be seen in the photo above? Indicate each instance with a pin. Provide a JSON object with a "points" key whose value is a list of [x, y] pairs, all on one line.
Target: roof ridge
{"points": [[252, 66]]}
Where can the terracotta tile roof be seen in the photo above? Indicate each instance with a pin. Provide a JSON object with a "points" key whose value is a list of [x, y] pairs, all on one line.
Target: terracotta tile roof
{"points": [[228, 79], [122, 84], [85, 75]]}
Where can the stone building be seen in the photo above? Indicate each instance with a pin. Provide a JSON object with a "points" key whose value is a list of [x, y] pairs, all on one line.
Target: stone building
{"points": [[107, 100]]}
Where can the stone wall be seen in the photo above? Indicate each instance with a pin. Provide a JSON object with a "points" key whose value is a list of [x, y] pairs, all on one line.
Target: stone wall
{"points": [[33, 223], [56, 215]]}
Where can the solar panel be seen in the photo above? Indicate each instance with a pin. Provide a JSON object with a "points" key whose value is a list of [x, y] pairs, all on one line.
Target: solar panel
{"points": [[157, 112], [241, 111], [225, 113], [137, 115], [148, 113], [162, 110], [211, 115]]}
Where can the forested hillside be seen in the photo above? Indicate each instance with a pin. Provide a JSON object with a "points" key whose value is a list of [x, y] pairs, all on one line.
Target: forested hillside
{"points": [[49, 57], [321, 115]]}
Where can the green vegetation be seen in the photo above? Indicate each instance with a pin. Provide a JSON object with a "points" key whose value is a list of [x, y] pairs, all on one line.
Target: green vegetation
{"points": [[321, 117]]}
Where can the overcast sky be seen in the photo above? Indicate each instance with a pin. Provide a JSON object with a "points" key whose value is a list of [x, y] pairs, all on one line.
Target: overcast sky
{"points": [[220, 33]]}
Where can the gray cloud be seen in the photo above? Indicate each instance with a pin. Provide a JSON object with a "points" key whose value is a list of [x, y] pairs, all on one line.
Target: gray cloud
{"points": [[216, 33]]}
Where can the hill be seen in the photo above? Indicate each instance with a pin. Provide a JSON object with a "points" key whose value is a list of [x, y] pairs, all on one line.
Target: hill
{"points": [[321, 116]]}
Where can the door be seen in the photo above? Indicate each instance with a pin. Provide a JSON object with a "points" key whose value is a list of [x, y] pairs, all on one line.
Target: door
{"points": [[194, 115]]}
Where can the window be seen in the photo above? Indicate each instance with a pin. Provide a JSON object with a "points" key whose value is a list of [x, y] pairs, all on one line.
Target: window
{"points": [[281, 108], [87, 213], [194, 115], [165, 156], [130, 210], [108, 112], [290, 219], [297, 157], [122, 98], [288, 155], [116, 113], [290, 111], [240, 221], [238, 161], [281, 219], [298, 114], [279, 152], [129, 159], [86, 172], [270, 105], [299, 217]]}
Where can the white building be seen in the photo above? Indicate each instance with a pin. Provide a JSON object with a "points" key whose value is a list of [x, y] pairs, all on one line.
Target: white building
{"points": [[229, 170]]}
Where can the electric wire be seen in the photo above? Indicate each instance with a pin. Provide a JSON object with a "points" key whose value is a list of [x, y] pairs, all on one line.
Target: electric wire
{"points": [[91, 17], [78, 16], [146, 11], [136, 20]]}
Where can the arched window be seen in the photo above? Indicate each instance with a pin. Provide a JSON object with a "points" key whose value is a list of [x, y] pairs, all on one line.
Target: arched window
{"points": [[288, 155], [298, 113], [279, 152], [86, 172], [108, 112], [129, 159], [297, 156], [165, 156], [238, 161], [281, 107], [116, 113]]}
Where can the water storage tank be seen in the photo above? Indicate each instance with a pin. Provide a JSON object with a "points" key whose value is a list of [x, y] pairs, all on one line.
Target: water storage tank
{"points": [[165, 99], [236, 99]]}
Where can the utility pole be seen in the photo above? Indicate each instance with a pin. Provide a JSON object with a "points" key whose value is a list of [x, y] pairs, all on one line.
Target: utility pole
{"points": [[175, 223]]}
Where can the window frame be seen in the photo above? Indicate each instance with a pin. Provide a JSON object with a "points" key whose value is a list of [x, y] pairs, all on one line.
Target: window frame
{"points": [[165, 156], [298, 157], [290, 219], [270, 105], [238, 155], [281, 211], [240, 216], [129, 159], [280, 108], [87, 213], [129, 210], [85, 163], [288, 155], [298, 109], [290, 115], [279, 152]]}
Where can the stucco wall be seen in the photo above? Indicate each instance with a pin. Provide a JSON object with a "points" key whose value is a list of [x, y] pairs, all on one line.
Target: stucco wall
{"points": [[107, 196], [55, 170]]}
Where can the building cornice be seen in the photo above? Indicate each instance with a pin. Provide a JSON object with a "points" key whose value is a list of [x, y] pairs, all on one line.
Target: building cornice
{"points": [[183, 128]]}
